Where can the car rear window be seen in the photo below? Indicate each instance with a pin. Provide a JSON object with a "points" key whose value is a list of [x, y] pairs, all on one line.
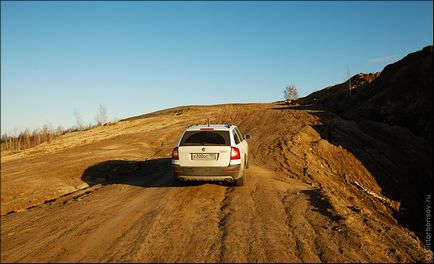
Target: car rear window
{"points": [[205, 138]]}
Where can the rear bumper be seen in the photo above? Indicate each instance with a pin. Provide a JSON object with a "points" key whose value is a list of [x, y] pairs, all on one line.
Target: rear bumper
{"points": [[230, 173]]}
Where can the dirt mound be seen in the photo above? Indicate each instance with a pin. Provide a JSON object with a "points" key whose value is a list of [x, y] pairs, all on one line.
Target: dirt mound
{"points": [[338, 98], [400, 95], [391, 133]]}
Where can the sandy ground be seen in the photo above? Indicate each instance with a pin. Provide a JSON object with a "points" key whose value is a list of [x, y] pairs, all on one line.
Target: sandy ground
{"points": [[108, 195]]}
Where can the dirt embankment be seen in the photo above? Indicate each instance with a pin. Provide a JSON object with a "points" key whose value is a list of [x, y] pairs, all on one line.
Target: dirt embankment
{"points": [[386, 122], [400, 95], [306, 197]]}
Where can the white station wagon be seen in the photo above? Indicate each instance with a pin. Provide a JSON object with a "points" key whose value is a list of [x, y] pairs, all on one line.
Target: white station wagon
{"points": [[213, 152]]}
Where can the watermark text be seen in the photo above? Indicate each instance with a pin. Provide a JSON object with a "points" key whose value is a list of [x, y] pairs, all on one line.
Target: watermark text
{"points": [[428, 221]]}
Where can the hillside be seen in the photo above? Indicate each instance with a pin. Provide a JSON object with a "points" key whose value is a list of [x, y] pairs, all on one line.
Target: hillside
{"points": [[395, 109], [400, 95], [324, 185]]}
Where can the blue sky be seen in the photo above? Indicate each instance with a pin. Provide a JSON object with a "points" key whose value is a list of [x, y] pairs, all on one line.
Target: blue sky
{"points": [[138, 57]]}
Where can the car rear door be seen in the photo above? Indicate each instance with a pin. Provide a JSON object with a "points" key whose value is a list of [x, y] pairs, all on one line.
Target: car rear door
{"points": [[205, 148]]}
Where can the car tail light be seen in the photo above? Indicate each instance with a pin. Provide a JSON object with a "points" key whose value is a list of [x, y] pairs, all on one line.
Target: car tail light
{"points": [[235, 153], [175, 154]]}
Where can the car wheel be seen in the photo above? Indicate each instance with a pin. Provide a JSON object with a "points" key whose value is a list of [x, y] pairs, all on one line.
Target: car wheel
{"points": [[178, 181], [241, 181]]}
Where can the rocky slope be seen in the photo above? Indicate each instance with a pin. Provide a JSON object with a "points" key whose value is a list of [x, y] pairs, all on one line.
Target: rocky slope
{"points": [[394, 109]]}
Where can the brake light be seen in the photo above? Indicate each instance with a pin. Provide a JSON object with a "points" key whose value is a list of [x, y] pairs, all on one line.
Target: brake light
{"points": [[235, 153], [175, 154], [207, 129]]}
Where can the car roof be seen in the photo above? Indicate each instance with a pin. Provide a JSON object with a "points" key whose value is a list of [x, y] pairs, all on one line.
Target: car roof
{"points": [[224, 127]]}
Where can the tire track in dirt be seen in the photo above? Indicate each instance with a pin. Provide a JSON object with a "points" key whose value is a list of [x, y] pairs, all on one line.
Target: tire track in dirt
{"points": [[224, 215], [252, 222], [271, 219]]}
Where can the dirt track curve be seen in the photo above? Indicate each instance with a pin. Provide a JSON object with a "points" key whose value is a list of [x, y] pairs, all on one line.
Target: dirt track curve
{"points": [[108, 195]]}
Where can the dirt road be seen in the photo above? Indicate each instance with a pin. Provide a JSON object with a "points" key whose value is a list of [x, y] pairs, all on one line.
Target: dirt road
{"points": [[298, 204]]}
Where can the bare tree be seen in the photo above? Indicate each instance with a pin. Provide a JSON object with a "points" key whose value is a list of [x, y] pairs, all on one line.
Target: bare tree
{"points": [[36, 135], [46, 133], [10, 143], [59, 130], [26, 139], [78, 119], [349, 82], [6, 140], [101, 118], [26, 135], [290, 93]]}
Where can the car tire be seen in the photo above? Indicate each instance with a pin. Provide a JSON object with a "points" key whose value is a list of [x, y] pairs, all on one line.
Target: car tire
{"points": [[242, 180], [178, 181]]}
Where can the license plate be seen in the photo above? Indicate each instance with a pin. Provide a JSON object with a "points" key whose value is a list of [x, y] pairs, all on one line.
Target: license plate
{"points": [[204, 156]]}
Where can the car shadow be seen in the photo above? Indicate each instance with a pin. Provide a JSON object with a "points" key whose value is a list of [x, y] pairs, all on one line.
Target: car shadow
{"points": [[147, 173]]}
